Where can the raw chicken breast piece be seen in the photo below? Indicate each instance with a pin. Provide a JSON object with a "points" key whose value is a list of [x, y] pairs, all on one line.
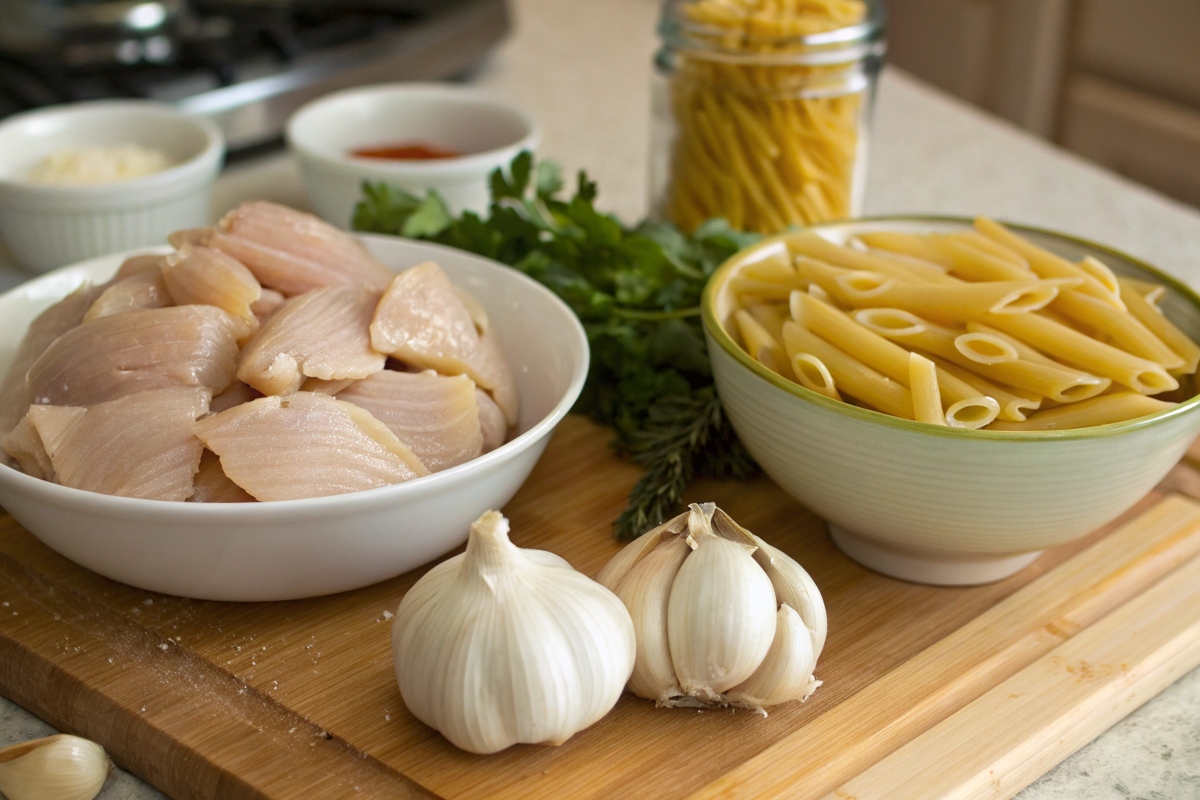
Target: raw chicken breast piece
{"points": [[235, 395], [212, 485], [435, 415], [322, 334], [126, 353], [135, 265], [326, 387], [199, 237], [491, 421], [267, 304], [422, 321], [140, 445], [209, 277], [144, 289], [294, 252], [48, 326], [25, 446], [306, 445]]}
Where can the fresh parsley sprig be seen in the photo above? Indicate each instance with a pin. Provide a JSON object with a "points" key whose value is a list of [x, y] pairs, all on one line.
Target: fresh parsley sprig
{"points": [[637, 292]]}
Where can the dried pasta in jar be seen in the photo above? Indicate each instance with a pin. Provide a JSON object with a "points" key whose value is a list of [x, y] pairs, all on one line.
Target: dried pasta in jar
{"points": [[765, 105]]}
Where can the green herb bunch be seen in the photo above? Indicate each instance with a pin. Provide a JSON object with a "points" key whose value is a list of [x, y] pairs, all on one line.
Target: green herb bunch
{"points": [[636, 291]]}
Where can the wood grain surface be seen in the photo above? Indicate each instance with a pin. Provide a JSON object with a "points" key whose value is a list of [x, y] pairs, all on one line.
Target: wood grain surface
{"points": [[298, 699]]}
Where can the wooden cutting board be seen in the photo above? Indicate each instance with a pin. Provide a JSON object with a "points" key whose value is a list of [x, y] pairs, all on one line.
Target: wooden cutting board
{"points": [[298, 699]]}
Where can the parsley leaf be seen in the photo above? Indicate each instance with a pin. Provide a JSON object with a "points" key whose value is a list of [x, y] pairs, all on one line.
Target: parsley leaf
{"points": [[637, 292]]}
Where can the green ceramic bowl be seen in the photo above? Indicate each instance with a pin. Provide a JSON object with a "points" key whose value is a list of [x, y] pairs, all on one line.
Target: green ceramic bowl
{"points": [[933, 504]]}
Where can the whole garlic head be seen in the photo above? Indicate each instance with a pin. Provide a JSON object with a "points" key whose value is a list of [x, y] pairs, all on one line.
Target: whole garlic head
{"points": [[501, 645], [721, 617]]}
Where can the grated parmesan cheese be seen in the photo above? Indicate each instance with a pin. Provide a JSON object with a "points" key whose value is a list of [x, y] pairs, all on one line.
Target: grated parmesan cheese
{"points": [[89, 165]]}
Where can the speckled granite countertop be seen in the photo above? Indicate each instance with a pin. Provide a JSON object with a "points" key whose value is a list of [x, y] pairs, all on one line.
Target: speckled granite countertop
{"points": [[583, 70]]}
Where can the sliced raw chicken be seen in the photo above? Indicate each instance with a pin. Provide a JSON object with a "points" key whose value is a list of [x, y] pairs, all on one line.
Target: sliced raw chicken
{"points": [[436, 416], [267, 304], [144, 289], [48, 326], [322, 334], [422, 321], [306, 445], [212, 486], [135, 265], [295, 252], [25, 446], [141, 445], [326, 387], [491, 421], [209, 277], [155, 348], [235, 395], [200, 237]]}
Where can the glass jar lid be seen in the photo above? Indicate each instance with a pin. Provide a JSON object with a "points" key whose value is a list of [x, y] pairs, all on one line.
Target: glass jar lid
{"points": [[738, 43]]}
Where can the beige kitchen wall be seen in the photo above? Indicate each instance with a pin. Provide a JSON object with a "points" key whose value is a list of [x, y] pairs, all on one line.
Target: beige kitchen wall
{"points": [[1118, 81]]}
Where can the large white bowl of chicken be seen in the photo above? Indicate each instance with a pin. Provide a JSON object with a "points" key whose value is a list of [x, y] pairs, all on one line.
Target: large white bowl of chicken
{"points": [[272, 409]]}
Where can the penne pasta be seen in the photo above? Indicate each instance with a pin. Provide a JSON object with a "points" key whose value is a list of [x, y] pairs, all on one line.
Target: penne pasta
{"points": [[1075, 348], [814, 246], [811, 373], [1024, 351], [923, 383], [975, 264], [760, 344], [1059, 383], [1122, 328], [905, 244], [1103, 410], [867, 346], [973, 413], [1045, 263], [985, 348], [1155, 321], [959, 303], [1012, 404], [969, 329], [851, 375]]}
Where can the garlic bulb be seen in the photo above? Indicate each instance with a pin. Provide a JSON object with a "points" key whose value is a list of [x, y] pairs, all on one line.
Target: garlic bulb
{"points": [[501, 645], [721, 617], [59, 767]]}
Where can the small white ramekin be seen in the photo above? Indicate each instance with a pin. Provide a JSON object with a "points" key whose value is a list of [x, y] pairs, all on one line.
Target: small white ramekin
{"points": [[487, 131], [47, 226]]}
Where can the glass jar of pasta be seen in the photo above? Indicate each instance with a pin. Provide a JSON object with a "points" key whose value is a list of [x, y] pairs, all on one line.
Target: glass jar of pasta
{"points": [[761, 110]]}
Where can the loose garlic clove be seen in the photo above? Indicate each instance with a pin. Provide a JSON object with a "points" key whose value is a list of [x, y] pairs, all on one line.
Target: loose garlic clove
{"points": [[787, 671], [501, 645], [721, 613], [743, 625], [60, 767], [645, 591]]}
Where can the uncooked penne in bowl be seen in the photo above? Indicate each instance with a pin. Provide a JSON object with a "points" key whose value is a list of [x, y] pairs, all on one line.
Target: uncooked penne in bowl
{"points": [[954, 394]]}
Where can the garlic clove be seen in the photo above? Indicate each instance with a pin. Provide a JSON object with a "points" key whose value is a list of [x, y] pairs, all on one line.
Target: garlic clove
{"points": [[501, 645], [645, 591], [794, 587], [60, 767], [787, 671], [619, 566], [721, 613]]}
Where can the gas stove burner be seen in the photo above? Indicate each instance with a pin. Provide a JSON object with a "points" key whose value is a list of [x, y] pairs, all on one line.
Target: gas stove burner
{"points": [[247, 64]]}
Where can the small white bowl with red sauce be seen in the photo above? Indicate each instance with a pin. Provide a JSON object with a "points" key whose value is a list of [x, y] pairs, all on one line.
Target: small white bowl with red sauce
{"points": [[417, 136]]}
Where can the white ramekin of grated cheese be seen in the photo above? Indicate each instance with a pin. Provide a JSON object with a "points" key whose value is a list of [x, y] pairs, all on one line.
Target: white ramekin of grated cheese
{"points": [[86, 179]]}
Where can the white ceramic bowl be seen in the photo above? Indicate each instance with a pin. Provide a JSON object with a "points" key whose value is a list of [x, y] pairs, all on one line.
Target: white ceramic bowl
{"points": [[47, 226], [933, 504], [304, 548], [487, 131]]}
